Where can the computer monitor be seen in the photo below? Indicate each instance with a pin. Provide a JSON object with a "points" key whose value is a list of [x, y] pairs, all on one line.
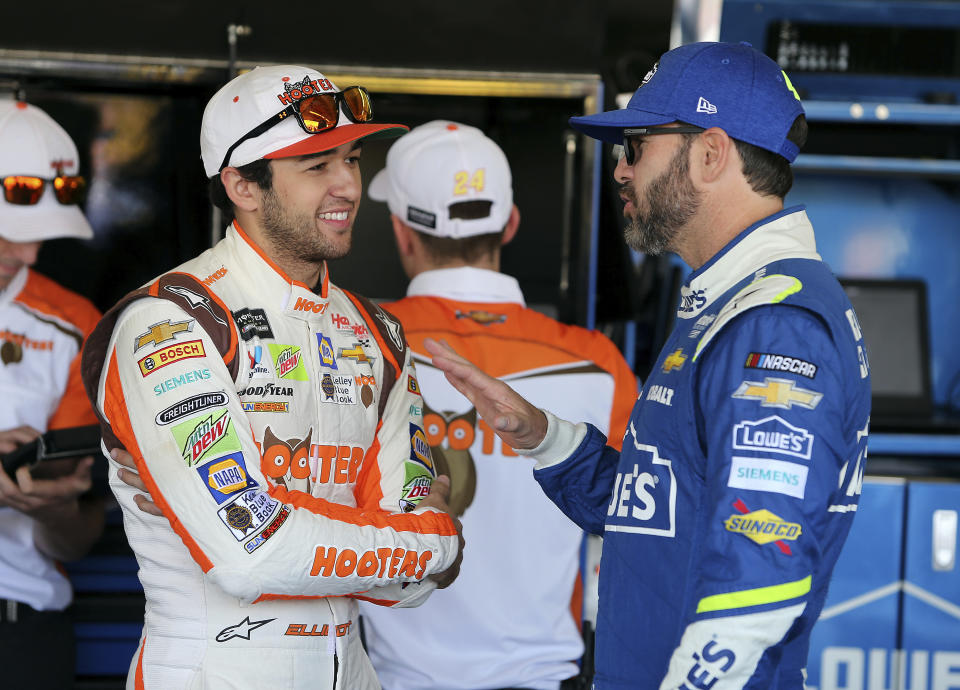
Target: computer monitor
{"points": [[893, 317]]}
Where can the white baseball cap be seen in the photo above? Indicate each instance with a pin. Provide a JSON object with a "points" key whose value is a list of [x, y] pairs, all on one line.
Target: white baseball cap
{"points": [[32, 143], [254, 97], [440, 164]]}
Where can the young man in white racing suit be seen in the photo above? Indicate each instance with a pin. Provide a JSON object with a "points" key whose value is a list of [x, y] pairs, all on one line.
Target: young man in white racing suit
{"points": [[272, 415]]}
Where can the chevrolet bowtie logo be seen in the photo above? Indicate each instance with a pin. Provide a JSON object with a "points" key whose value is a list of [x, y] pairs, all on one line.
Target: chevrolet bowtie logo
{"points": [[162, 332], [674, 360], [356, 352], [778, 393]]}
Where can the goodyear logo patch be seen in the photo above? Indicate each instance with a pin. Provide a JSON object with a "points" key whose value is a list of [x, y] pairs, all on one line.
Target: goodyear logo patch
{"points": [[169, 355], [226, 476], [420, 448], [288, 361], [763, 527]]}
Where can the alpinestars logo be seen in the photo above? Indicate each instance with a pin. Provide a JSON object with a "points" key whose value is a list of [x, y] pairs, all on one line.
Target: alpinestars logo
{"points": [[241, 629]]}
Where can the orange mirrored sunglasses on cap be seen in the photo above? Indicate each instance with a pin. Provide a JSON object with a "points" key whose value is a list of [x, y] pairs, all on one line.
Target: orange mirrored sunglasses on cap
{"points": [[26, 190], [315, 114]]}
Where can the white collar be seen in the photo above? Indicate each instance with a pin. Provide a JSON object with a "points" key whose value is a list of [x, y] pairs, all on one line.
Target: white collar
{"points": [[784, 235], [19, 279], [466, 284]]}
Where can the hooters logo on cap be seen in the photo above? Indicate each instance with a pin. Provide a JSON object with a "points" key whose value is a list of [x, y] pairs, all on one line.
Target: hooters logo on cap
{"points": [[293, 92]]}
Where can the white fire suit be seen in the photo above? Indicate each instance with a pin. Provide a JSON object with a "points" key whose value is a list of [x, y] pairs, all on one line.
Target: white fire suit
{"points": [[278, 430]]}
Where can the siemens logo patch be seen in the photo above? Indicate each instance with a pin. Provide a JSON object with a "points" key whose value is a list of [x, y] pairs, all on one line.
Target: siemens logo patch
{"points": [[773, 435], [775, 362], [193, 404], [763, 474]]}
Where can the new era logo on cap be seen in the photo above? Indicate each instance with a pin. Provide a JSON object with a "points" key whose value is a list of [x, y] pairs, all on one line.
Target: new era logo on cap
{"points": [[705, 106]]}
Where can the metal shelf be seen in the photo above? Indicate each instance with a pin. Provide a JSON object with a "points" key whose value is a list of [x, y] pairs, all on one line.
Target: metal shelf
{"points": [[870, 165], [919, 445], [888, 112]]}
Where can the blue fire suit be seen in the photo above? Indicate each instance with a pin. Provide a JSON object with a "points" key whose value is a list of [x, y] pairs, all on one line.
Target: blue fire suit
{"points": [[741, 468]]}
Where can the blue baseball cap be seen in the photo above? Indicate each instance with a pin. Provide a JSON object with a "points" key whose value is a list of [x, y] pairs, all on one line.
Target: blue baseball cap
{"points": [[732, 86]]}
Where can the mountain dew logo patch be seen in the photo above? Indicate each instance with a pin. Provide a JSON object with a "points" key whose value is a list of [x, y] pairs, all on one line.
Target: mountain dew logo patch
{"points": [[415, 488], [288, 361], [205, 435]]}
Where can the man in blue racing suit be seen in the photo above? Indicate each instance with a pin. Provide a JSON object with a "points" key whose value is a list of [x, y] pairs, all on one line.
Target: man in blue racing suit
{"points": [[726, 510]]}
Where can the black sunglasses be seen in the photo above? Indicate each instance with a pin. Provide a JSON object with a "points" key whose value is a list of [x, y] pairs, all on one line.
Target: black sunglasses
{"points": [[628, 152], [315, 114]]}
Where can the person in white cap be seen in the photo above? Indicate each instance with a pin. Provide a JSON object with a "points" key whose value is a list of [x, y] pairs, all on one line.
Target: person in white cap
{"points": [[273, 417], [43, 520], [508, 621]]}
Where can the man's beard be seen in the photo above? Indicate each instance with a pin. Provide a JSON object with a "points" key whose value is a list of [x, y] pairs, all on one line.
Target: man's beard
{"points": [[295, 235], [671, 201]]}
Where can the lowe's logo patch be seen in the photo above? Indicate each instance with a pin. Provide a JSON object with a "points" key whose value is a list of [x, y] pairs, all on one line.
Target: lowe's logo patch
{"points": [[773, 435]]}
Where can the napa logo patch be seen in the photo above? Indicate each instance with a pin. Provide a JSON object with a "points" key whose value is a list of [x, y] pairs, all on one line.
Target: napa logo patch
{"points": [[226, 476], [420, 448], [325, 349]]}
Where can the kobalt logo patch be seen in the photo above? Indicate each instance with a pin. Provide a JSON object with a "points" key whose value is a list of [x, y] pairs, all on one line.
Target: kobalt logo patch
{"points": [[644, 493]]}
